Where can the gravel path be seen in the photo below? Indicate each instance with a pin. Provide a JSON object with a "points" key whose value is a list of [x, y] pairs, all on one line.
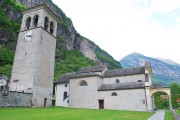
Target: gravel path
{"points": [[159, 115]]}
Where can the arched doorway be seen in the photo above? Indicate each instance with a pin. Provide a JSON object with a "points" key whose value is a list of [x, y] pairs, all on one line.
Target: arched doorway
{"points": [[160, 100], [162, 95]]}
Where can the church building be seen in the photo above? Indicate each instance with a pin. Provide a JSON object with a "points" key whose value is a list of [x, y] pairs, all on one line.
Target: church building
{"points": [[99, 88]]}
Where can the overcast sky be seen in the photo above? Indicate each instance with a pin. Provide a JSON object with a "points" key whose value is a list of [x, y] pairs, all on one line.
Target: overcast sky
{"points": [[120, 27]]}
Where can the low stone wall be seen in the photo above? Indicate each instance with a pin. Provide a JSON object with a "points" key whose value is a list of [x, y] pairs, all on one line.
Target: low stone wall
{"points": [[176, 116], [15, 99]]}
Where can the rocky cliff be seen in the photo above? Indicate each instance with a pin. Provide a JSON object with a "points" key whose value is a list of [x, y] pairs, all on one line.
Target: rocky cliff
{"points": [[67, 37], [72, 39]]}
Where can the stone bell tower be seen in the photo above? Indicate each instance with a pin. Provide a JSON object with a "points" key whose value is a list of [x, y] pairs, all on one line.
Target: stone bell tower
{"points": [[33, 68]]}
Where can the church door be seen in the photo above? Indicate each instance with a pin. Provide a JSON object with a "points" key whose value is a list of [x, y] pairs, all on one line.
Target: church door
{"points": [[101, 104], [45, 102]]}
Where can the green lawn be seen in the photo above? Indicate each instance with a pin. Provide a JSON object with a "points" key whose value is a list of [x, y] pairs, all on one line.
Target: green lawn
{"points": [[178, 112], [58, 113], [168, 115]]}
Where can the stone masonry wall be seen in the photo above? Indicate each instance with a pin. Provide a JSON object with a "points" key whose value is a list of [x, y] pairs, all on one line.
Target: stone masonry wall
{"points": [[15, 99]]}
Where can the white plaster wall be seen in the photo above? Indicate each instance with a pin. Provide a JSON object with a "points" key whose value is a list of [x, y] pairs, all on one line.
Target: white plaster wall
{"points": [[25, 62], [123, 79], [84, 96], [147, 72], [34, 65], [60, 89], [149, 99], [88, 96], [44, 71], [131, 99], [34, 60]]}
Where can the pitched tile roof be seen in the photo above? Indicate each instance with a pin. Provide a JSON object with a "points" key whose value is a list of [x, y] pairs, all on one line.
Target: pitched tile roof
{"points": [[122, 86], [66, 77], [92, 69], [124, 71], [83, 72]]}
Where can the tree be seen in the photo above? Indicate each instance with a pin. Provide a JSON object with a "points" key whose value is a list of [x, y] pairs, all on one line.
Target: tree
{"points": [[175, 94]]}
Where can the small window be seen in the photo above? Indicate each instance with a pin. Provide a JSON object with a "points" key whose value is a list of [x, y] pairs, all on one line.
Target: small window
{"points": [[2, 87], [35, 20], [28, 22], [65, 95], [139, 81], [46, 23], [146, 77], [117, 81], [114, 94], [143, 101], [51, 27], [83, 83]]}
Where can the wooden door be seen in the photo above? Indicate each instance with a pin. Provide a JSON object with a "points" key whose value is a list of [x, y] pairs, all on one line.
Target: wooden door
{"points": [[101, 104]]}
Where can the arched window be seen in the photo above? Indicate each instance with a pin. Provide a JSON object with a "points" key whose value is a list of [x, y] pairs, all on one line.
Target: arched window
{"points": [[83, 83], [28, 22], [139, 81], [46, 23], [65, 95], [51, 27], [117, 81], [114, 94], [35, 20]]}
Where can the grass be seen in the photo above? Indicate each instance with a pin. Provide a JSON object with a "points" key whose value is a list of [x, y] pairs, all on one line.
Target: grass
{"points": [[178, 112], [168, 115], [59, 113]]}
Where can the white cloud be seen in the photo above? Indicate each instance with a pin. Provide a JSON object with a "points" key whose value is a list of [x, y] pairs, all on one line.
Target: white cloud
{"points": [[120, 27]]}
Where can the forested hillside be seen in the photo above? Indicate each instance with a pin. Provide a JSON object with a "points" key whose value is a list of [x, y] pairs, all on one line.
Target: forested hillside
{"points": [[73, 51], [10, 20]]}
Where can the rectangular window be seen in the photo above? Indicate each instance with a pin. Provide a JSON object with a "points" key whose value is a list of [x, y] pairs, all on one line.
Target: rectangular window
{"points": [[146, 77], [143, 101], [1, 88]]}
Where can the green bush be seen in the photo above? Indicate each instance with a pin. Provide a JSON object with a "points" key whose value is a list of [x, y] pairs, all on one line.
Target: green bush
{"points": [[63, 24], [6, 70], [6, 61], [6, 56], [159, 102], [14, 5], [175, 94]]}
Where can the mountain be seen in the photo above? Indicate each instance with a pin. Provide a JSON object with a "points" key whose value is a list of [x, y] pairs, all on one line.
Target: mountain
{"points": [[163, 73], [70, 44], [168, 61]]}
